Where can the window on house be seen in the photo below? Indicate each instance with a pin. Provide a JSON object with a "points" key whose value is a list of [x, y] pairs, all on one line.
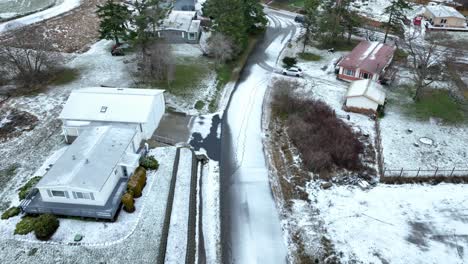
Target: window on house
{"points": [[348, 72], [103, 109], [80, 195], [58, 193], [192, 36], [443, 21], [366, 75]]}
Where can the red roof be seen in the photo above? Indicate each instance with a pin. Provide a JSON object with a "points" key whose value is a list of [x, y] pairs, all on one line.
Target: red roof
{"points": [[371, 57]]}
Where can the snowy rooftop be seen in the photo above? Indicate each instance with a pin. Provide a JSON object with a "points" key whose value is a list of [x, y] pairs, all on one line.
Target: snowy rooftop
{"points": [[368, 89], [444, 11], [371, 57], [110, 104], [181, 20], [90, 160]]}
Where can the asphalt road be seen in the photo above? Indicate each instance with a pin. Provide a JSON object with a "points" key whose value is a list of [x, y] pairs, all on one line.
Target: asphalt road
{"points": [[250, 223]]}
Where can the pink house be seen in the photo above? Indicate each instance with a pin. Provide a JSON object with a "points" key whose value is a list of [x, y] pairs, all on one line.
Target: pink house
{"points": [[368, 60]]}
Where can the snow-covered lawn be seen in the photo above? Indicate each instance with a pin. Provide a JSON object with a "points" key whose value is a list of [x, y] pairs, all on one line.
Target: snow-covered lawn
{"points": [[200, 88], [60, 8], [397, 224], [375, 9], [448, 150]]}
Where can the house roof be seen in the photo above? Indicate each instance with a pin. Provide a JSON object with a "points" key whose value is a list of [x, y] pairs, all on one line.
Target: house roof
{"points": [[90, 160], [110, 104], [371, 57], [444, 11], [367, 88], [181, 20]]}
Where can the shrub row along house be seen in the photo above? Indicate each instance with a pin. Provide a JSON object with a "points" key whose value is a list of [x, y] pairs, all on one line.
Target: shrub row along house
{"points": [[368, 60], [105, 127]]}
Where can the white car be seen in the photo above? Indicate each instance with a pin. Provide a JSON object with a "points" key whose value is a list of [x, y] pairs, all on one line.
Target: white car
{"points": [[293, 71]]}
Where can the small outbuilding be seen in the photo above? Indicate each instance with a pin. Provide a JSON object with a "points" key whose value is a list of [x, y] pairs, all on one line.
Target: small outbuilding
{"points": [[444, 17], [364, 96], [368, 60], [180, 27], [107, 106]]}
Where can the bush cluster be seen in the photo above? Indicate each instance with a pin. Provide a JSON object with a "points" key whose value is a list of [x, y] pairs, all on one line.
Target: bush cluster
{"points": [[45, 226], [10, 212], [149, 163], [137, 182], [25, 226], [128, 202], [324, 141], [23, 191], [288, 62]]}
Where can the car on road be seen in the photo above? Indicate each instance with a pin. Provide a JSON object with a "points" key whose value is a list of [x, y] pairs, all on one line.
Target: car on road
{"points": [[293, 71], [299, 19]]}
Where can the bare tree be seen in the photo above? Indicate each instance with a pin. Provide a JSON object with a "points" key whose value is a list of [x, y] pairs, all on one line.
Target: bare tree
{"points": [[426, 60], [30, 62], [220, 47], [156, 63]]}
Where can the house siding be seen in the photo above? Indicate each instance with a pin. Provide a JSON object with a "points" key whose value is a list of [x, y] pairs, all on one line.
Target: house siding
{"points": [[177, 36], [361, 102]]}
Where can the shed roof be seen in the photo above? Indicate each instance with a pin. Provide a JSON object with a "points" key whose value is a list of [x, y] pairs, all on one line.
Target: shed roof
{"points": [[110, 104], [181, 20], [371, 57], [367, 88], [444, 11], [91, 159]]}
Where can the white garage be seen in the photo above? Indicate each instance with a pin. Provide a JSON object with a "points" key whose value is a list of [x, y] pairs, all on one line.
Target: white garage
{"points": [[103, 106], [364, 96]]}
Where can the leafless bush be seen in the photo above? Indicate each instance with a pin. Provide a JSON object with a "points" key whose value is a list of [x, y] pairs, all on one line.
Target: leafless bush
{"points": [[156, 63], [29, 61], [324, 141], [220, 47]]}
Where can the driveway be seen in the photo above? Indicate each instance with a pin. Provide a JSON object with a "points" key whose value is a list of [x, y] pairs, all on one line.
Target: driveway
{"points": [[250, 223]]}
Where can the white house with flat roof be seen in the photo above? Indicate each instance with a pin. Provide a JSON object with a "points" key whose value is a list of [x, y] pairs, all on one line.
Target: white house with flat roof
{"points": [[104, 106], [89, 170]]}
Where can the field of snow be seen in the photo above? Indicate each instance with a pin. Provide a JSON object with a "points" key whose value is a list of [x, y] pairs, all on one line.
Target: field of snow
{"points": [[399, 150], [12, 8], [60, 8], [375, 9], [397, 224]]}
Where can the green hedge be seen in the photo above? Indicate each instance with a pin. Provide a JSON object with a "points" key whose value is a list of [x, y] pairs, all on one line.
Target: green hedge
{"points": [[149, 163], [25, 226], [12, 211], [23, 191], [45, 226]]}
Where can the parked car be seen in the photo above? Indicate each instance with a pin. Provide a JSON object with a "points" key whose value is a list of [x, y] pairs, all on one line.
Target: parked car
{"points": [[293, 71], [299, 19]]}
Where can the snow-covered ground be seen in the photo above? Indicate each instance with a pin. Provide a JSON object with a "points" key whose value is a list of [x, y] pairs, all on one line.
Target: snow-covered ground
{"points": [[397, 223], [192, 55], [133, 237], [60, 8], [399, 150], [29, 150], [375, 9]]}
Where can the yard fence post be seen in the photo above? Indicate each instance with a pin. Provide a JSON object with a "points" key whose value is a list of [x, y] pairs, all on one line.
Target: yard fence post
{"points": [[435, 173], [452, 171], [417, 174], [401, 172]]}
